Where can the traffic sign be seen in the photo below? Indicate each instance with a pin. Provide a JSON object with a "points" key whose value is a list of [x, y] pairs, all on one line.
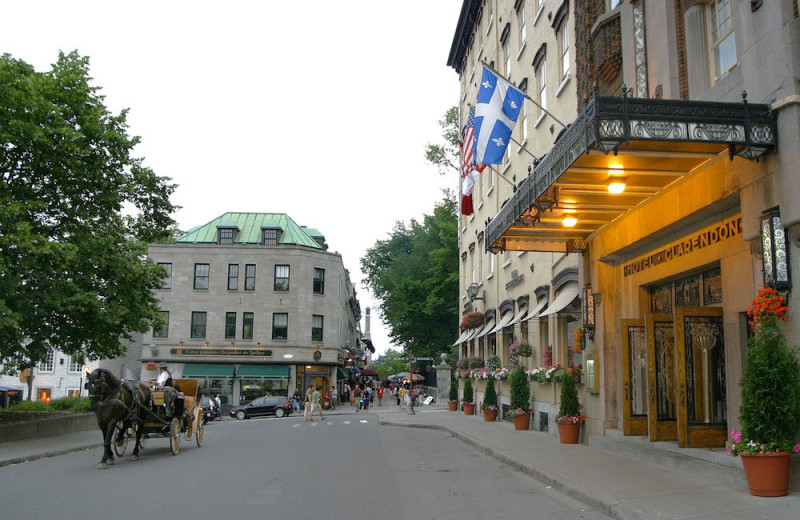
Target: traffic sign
{"points": [[85, 369]]}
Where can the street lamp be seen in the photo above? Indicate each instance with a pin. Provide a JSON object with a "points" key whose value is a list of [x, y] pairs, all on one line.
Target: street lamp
{"points": [[472, 293]]}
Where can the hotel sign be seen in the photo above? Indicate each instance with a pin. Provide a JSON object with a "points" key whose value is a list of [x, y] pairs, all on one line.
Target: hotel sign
{"points": [[710, 236], [220, 351]]}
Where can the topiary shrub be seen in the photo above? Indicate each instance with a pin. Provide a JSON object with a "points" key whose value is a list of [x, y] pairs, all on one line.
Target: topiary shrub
{"points": [[520, 390], [468, 397], [490, 398], [453, 390], [570, 408]]}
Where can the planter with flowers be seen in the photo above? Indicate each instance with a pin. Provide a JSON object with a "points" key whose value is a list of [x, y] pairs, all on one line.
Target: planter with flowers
{"points": [[520, 406], [490, 402], [452, 404], [569, 413], [151, 365], [468, 403], [770, 410], [472, 320]]}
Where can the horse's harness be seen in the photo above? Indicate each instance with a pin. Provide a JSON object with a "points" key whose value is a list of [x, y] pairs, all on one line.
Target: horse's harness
{"points": [[97, 391]]}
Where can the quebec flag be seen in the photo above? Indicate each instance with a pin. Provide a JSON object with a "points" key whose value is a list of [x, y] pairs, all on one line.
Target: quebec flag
{"points": [[496, 113]]}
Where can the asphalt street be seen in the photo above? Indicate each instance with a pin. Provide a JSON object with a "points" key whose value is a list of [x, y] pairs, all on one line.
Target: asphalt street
{"points": [[343, 468]]}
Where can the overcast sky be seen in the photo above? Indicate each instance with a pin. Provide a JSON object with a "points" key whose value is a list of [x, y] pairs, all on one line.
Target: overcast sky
{"points": [[317, 109]]}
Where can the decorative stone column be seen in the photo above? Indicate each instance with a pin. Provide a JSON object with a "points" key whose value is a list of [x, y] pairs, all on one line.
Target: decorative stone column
{"points": [[443, 375], [697, 54]]}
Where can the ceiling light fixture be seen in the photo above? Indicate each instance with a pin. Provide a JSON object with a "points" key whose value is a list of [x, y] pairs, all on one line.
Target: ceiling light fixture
{"points": [[569, 221], [616, 187]]}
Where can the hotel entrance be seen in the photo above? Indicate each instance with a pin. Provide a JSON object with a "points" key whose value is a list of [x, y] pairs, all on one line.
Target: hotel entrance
{"points": [[674, 364]]}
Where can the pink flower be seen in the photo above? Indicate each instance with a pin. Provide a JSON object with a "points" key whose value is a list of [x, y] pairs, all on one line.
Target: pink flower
{"points": [[736, 436], [796, 448]]}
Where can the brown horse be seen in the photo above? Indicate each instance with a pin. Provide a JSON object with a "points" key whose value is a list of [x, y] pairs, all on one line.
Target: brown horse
{"points": [[114, 402]]}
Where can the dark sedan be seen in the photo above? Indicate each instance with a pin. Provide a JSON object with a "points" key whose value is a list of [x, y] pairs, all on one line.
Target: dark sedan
{"points": [[210, 410], [277, 406]]}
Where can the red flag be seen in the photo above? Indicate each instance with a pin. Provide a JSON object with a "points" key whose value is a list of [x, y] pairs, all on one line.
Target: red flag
{"points": [[469, 170]]}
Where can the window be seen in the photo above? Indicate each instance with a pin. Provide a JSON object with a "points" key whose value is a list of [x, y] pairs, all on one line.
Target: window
{"points": [[163, 332], [198, 325], [522, 25], [507, 52], [270, 237], [44, 394], [316, 328], [226, 235], [723, 41], [280, 325], [75, 366], [541, 79], [233, 277], [281, 277], [73, 392], [319, 281], [563, 49], [230, 325], [247, 325], [250, 277], [48, 363], [168, 278], [523, 114], [612, 4], [201, 272]]}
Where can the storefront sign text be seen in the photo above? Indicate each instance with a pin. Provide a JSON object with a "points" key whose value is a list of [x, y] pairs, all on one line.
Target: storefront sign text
{"points": [[189, 351], [703, 239]]}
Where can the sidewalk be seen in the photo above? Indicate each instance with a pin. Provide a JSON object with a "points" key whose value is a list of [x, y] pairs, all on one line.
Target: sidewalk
{"points": [[617, 485]]}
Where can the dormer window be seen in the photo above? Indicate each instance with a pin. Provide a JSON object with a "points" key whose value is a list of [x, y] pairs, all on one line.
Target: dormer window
{"points": [[226, 235], [270, 237]]}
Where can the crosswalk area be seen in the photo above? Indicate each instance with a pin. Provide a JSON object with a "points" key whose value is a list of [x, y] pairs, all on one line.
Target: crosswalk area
{"points": [[330, 422]]}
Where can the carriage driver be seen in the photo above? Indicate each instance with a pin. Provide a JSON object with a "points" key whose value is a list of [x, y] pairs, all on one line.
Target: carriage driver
{"points": [[165, 377]]}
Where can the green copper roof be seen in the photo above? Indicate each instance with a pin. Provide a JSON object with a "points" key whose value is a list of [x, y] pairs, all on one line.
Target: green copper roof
{"points": [[250, 227]]}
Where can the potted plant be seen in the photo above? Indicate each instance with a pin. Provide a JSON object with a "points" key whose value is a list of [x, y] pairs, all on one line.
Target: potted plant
{"points": [[569, 412], [490, 402], [453, 402], [770, 410], [520, 398], [468, 404]]}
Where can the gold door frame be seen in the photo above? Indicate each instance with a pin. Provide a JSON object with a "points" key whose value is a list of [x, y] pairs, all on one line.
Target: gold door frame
{"points": [[660, 429], [631, 424]]}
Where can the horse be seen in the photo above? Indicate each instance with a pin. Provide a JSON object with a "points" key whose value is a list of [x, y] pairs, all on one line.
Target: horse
{"points": [[116, 401]]}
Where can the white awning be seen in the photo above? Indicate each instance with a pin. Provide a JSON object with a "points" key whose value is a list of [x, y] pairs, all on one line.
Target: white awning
{"points": [[486, 328], [473, 333], [536, 310], [522, 312], [504, 320], [462, 337], [564, 298]]}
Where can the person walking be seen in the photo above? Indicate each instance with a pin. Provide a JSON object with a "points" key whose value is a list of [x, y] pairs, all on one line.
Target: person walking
{"points": [[356, 397], [401, 395], [380, 396], [334, 397], [218, 402], [316, 396], [365, 399], [296, 400], [307, 404], [346, 393]]}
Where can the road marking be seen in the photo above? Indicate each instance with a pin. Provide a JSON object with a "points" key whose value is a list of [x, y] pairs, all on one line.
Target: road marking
{"points": [[362, 421]]}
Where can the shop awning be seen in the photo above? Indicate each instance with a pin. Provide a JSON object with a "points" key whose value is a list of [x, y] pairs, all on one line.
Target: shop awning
{"points": [[462, 337], [263, 372], [522, 312], [487, 327], [209, 371], [655, 143], [504, 320], [341, 374], [474, 332], [566, 296], [540, 305]]}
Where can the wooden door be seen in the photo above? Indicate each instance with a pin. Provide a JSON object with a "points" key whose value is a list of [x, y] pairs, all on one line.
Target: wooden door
{"points": [[634, 382], [662, 413], [700, 361]]}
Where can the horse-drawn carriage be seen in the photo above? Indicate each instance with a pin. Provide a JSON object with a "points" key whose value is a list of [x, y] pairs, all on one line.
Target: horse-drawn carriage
{"points": [[131, 410]]}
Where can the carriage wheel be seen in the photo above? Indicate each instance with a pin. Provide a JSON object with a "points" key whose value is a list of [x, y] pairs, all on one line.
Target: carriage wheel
{"points": [[198, 435], [120, 440], [175, 435]]}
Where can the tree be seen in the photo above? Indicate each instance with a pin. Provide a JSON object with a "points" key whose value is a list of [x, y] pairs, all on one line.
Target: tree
{"points": [[392, 362], [446, 155], [76, 213], [414, 276]]}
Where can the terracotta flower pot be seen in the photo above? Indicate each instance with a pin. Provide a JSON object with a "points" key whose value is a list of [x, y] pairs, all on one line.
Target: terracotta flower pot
{"points": [[469, 408], [452, 405], [490, 415], [569, 433], [767, 475], [522, 422]]}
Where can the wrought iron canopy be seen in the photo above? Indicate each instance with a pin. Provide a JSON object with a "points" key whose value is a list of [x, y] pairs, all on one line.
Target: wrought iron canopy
{"points": [[655, 142]]}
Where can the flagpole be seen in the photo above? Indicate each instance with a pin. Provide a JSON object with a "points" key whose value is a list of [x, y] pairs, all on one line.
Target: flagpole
{"points": [[524, 94], [517, 143], [501, 176]]}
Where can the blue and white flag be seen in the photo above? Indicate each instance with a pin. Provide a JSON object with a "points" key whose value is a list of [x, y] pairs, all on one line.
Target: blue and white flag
{"points": [[496, 112]]}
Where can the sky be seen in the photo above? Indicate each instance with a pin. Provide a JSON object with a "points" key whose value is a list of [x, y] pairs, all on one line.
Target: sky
{"points": [[318, 109]]}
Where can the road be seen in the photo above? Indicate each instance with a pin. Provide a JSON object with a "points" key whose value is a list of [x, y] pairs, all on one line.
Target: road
{"points": [[346, 467]]}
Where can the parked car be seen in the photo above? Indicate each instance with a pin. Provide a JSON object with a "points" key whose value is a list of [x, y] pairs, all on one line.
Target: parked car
{"points": [[278, 406], [210, 409]]}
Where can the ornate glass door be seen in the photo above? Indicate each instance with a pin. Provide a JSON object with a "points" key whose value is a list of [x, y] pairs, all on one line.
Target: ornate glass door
{"points": [[634, 384], [700, 349], [662, 412]]}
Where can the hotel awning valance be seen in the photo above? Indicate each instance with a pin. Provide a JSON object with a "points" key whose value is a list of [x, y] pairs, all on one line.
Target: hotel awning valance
{"points": [[263, 372], [504, 320], [521, 314], [655, 142], [564, 298], [462, 337], [207, 371], [474, 332], [540, 305]]}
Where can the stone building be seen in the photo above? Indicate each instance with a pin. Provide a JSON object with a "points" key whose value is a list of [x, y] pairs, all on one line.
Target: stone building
{"points": [[673, 190], [253, 303]]}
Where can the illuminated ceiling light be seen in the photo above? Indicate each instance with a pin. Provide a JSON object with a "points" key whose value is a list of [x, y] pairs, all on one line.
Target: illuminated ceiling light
{"points": [[616, 187], [569, 221]]}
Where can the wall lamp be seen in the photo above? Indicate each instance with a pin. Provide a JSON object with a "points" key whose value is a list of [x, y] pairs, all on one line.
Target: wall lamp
{"points": [[587, 311], [775, 253], [472, 293]]}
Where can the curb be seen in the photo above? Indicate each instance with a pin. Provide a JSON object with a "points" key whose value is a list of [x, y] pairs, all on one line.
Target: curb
{"points": [[608, 507], [46, 454]]}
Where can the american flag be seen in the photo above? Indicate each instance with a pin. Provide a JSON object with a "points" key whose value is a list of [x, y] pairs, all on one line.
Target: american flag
{"points": [[469, 170]]}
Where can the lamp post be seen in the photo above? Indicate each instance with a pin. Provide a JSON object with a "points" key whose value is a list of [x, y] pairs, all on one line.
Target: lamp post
{"points": [[411, 396]]}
